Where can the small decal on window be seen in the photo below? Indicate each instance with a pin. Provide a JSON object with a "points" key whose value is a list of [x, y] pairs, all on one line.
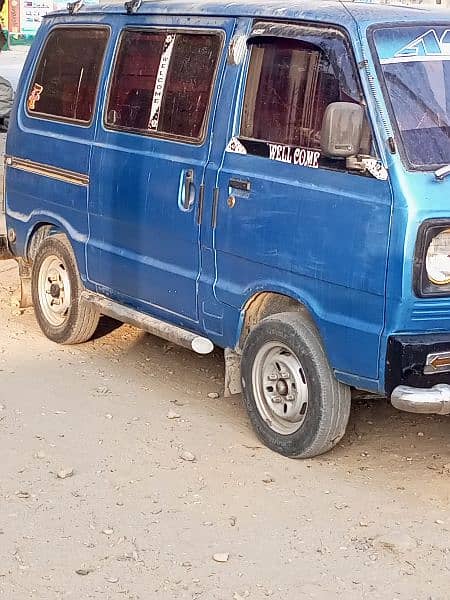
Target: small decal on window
{"points": [[35, 96], [302, 157], [236, 146], [375, 168], [161, 81]]}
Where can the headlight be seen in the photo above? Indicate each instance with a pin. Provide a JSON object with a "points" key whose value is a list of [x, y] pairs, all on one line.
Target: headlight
{"points": [[437, 260], [432, 259]]}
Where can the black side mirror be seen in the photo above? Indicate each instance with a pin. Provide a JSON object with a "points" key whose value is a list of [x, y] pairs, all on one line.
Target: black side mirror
{"points": [[342, 129]]}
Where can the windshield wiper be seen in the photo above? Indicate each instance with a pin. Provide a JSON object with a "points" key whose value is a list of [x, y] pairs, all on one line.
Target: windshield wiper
{"points": [[442, 172]]}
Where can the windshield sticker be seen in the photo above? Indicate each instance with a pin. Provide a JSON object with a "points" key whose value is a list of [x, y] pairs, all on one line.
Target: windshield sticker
{"points": [[426, 47], [161, 81], [35, 96]]}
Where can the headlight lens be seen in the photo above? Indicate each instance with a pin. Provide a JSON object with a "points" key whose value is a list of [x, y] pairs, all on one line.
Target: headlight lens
{"points": [[437, 260]]}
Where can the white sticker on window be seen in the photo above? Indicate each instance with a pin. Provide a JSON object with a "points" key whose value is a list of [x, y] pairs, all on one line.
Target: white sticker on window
{"points": [[161, 81], [294, 156], [236, 146]]}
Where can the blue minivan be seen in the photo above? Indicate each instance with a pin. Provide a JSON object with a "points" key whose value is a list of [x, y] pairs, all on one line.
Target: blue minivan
{"points": [[272, 178]]}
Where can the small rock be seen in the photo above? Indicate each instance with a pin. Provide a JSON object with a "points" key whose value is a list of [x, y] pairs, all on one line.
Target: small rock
{"points": [[84, 571], [108, 416], [268, 479], [24, 495], [39, 454], [233, 521], [420, 434], [188, 456], [363, 524], [439, 522], [103, 390], [108, 531], [172, 415], [221, 557], [112, 579], [213, 395], [64, 473]]}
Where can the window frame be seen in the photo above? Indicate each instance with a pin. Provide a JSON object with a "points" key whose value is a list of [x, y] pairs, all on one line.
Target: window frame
{"points": [[318, 27], [55, 118], [156, 134]]}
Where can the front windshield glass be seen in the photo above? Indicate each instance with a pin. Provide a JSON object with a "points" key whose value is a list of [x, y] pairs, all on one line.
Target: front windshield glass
{"points": [[416, 67]]}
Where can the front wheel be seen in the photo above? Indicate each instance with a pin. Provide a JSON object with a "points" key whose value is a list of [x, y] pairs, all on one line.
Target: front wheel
{"points": [[56, 287], [295, 403]]}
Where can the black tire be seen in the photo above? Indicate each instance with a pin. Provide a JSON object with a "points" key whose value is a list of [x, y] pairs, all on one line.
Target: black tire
{"points": [[79, 321], [328, 401]]}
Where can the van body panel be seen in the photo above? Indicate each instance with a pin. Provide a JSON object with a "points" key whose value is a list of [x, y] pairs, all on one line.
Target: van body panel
{"points": [[340, 243]]}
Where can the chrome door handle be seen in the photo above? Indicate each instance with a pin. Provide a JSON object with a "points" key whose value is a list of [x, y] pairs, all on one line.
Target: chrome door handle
{"points": [[188, 184]]}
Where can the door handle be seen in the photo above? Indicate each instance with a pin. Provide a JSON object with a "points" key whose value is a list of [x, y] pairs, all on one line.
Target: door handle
{"points": [[239, 184], [188, 184]]}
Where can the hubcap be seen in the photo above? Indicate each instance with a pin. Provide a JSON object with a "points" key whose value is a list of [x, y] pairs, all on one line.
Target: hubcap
{"points": [[54, 290], [280, 388]]}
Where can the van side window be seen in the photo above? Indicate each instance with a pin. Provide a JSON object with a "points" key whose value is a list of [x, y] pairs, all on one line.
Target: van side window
{"points": [[162, 83], [66, 78], [290, 83]]}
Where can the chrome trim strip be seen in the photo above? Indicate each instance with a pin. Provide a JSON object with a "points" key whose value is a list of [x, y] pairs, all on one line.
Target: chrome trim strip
{"points": [[47, 171]]}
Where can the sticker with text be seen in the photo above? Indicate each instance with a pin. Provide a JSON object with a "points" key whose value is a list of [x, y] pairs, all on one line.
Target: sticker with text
{"points": [[35, 96], [294, 156], [161, 81]]}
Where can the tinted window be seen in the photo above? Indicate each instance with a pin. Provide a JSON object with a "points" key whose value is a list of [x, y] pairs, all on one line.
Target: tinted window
{"points": [[162, 83], [290, 84], [66, 78], [134, 79]]}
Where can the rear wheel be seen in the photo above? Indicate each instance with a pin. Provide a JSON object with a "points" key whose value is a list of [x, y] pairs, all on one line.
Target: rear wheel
{"points": [[295, 403], [62, 314]]}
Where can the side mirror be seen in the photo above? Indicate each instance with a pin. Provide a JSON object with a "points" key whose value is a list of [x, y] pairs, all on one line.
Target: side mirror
{"points": [[342, 129]]}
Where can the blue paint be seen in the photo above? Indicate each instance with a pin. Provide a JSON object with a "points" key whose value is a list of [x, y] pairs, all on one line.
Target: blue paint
{"points": [[341, 243]]}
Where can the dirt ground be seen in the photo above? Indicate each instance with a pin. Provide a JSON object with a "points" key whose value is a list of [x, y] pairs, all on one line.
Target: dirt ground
{"points": [[135, 521]]}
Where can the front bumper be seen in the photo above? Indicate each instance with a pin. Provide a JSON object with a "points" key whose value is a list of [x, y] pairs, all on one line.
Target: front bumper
{"points": [[418, 373], [406, 361], [434, 400]]}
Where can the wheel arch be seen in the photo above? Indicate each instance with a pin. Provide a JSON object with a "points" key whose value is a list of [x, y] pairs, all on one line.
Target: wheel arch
{"points": [[263, 304], [258, 306]]}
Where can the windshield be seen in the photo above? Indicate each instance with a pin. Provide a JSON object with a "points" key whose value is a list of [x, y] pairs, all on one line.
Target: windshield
{"points": [[416, 67]]}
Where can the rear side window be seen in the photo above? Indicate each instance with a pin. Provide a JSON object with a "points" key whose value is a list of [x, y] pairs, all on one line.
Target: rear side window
{"points": [[162, 83], [66, 79], [289, 86]]}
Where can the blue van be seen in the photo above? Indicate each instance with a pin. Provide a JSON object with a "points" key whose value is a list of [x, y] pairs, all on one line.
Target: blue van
{"points": [[272, 178]]}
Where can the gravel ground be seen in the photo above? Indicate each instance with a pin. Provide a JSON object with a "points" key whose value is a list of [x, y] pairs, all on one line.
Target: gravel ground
{"points": [[130, 518]]}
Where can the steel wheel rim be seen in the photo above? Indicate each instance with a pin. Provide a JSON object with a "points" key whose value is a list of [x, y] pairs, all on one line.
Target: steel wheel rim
{"points": [[280, 388], [54, 290]]}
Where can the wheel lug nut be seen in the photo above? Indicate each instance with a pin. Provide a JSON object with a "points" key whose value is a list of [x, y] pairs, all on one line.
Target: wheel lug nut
{"points": [[290, 397], [272, 378], [285, 375], [276, 399]]}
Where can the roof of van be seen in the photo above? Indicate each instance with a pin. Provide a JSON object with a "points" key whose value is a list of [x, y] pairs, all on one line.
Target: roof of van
{"points": [[365, 12]]}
